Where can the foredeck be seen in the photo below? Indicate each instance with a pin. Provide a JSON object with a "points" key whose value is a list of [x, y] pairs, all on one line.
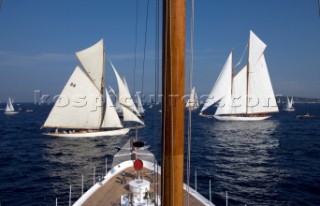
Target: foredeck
{"points": [[110, 192], [116, 182]]}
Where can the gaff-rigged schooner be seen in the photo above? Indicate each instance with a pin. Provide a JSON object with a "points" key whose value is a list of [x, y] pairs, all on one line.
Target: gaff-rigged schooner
{"points": [[248, 95]]}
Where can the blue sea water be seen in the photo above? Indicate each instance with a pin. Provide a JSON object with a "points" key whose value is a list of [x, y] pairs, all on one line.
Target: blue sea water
{"points": [[272, 162]]}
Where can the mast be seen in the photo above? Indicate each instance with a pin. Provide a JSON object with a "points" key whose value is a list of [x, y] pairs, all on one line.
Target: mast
{"points": [[232, 72], [247, 91], [103, 106], [173, 106]]}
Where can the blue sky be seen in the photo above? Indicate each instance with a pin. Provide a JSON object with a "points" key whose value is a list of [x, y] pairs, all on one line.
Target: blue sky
{"points": [[38, 39]]}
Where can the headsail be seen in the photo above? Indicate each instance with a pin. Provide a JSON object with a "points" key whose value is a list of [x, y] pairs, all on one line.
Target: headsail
{"points": [[139, 104], [222, 85], [124, 94], [111, 118]]}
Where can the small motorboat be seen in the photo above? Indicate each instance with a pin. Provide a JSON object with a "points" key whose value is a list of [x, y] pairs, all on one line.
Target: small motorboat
{"points": [[305, 116]]}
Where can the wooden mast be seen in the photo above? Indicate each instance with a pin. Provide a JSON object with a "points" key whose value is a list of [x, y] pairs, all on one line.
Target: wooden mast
{"points": [[173, 63], [248, 66]]}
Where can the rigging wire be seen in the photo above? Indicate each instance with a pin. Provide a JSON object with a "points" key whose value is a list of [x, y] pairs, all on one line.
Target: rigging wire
{"points": [[190, 88], [157, 46], [145, 45], [239, 62], [135, 47]]}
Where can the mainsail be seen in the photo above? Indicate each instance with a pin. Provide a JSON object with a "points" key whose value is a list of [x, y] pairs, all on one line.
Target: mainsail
{"points": [[78, 105]]}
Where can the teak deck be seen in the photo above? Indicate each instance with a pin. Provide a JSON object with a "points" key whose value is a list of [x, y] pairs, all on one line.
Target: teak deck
{"points": [[110, 192]]}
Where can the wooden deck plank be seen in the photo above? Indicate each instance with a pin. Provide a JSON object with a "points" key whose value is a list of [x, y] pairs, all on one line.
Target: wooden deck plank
{"points": [[110, 193]]}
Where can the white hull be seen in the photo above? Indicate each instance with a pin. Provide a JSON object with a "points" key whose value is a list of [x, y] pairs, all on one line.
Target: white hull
{"points": [[235, 118], [91, 134], [289, 109], [191, 108], [124, 165], [10, 113]]}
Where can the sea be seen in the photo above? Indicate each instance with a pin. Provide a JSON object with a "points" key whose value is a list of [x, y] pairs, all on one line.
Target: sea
{"points": [[271, 162]]}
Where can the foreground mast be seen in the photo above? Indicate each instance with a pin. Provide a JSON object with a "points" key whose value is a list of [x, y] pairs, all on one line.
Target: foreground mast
{"points": [[173, 62]]}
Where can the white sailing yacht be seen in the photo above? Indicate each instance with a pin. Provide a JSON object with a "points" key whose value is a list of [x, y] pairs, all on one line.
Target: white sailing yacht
{"points": [[192, 102], [10, 109], [289, 107], [139, 104], [247, 95], [80, 110]]}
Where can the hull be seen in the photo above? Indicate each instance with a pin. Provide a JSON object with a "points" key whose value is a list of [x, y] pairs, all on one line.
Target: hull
{"points": [[91, 134], [10, 113], [289, 109], [235, 118], [305, 117], [109, 190]]}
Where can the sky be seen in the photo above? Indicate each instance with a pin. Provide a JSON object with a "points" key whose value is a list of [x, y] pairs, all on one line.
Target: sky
{"points": [[39, 38]]}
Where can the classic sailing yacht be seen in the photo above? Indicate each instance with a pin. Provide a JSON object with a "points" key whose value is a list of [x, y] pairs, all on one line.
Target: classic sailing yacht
{"points": [[247, 95], [289, 106], [192, 102], [10, 109], [80, 110], [135, 175]]}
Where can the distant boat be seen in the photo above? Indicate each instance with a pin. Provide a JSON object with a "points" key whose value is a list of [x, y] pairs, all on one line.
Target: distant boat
{"points": [[10, 109], [29, 110], [305, 116], [139, 104], [192, 102], [80, 110], [247, 95], [289, 107], [279, 101]]}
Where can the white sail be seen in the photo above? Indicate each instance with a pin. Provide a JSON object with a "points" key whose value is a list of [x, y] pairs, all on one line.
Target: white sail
{"points": [[291, 102], [288, 103], [129, 116], [9, 107], [117, 104], [193, 100], [111, 118], [289, 106], [235, 103], [78, 106], [256, 49], [139, 104], [92, 59], [222, 86], [124, 94], [260, 91]]}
